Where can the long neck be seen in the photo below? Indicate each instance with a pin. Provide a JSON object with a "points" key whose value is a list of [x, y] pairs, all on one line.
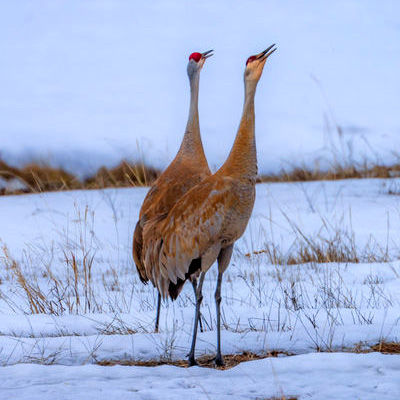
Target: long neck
{"points": [[242, 160], [191, 146]]}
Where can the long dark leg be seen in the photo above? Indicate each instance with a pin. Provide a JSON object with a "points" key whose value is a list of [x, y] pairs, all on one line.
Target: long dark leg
{"points": [[194, 284], [218, 359], [223, 262], [199, 298], [158, 312]]}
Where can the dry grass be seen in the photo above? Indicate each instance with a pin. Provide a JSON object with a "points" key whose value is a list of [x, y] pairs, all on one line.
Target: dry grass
{"points": [[232, 360], [387, 347], [123, 175], [41, 177], [206, 361], [383, 347], [320, 251], [37, 177], [335, 172], [72, 294], [332, 244], [47, 291]]}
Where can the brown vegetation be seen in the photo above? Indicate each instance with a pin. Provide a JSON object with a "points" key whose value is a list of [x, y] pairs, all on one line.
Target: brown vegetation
{"points": [[125, 174], [335, 172], [383, 347], [41, 177], [387, 347], [67, 291], [232, 360], [207, 361], [337, 245]]}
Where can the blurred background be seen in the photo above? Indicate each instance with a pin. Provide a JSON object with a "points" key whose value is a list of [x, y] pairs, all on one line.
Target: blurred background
{"points": [[88, 83]]}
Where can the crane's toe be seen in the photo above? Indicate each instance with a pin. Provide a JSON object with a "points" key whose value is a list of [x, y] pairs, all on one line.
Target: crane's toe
{"points": [[192, 362], [219, 361]]}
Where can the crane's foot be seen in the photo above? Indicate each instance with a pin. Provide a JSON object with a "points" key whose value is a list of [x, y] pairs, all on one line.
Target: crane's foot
{"points": [[191, 361], [219, 361]]}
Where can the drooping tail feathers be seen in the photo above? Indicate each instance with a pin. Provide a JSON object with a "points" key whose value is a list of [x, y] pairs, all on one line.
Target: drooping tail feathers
{"points": [[137, 248]]}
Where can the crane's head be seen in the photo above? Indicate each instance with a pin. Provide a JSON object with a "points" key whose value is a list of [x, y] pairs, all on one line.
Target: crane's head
{"points": [[197, 60], [255, 64]]}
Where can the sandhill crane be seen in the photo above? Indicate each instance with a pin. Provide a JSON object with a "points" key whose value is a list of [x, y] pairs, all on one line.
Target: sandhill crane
{"points": [[187, 169], [204, 224]]}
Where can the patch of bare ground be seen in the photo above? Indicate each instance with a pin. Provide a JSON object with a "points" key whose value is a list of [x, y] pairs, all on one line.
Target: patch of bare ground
{"points": [[207, 361], [232, 360]]}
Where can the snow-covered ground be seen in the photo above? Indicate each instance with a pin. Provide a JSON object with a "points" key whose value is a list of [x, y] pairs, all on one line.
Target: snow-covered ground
{"points": [[82, 81], [297, 310], [312, 376]]}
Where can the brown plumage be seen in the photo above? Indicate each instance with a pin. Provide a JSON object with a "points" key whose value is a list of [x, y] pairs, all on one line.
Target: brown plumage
{"points": [[205, 223], [187, 169]]}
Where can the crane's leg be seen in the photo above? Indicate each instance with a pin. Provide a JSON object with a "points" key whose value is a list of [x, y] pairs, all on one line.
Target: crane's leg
{"points": [[199, 298], [224, 258], [158, 313], [194, 284]]}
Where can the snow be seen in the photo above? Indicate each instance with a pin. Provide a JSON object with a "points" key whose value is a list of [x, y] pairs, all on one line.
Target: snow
{"points": [[316, 313], [82, 81], [11, 185], [312, 376]]}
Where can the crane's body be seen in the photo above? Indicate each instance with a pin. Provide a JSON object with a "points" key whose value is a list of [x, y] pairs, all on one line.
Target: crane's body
{"points": [[208, 218], [188, 168]]}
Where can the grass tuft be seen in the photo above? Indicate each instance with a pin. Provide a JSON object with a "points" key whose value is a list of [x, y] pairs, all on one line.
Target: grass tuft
{"points": [[41, 177], [124, 174], [334, 172], [332, 244], [387, 347]]}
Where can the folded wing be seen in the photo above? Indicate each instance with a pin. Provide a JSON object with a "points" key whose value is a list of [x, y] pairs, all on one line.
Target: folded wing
{"points": [[192, 230]]}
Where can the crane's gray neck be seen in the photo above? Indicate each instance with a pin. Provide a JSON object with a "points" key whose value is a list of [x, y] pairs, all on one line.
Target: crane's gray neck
{"points": [[193, 124], [191, 144]]}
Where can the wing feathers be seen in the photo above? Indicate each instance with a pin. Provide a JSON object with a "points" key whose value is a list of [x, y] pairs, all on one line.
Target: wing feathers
{"points": [[190, 231]]}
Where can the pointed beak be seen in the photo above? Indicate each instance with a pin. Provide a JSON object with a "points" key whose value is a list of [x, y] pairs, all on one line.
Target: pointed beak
{"points": [[207, 54], [266, 53]]}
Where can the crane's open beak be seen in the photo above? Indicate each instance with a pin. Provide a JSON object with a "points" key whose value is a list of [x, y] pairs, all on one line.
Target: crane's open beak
{"points": [[207, 54], [266, 53]]}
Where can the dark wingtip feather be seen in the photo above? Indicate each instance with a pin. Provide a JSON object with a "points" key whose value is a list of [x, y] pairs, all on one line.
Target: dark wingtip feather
{"points": [[175, 288]]}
